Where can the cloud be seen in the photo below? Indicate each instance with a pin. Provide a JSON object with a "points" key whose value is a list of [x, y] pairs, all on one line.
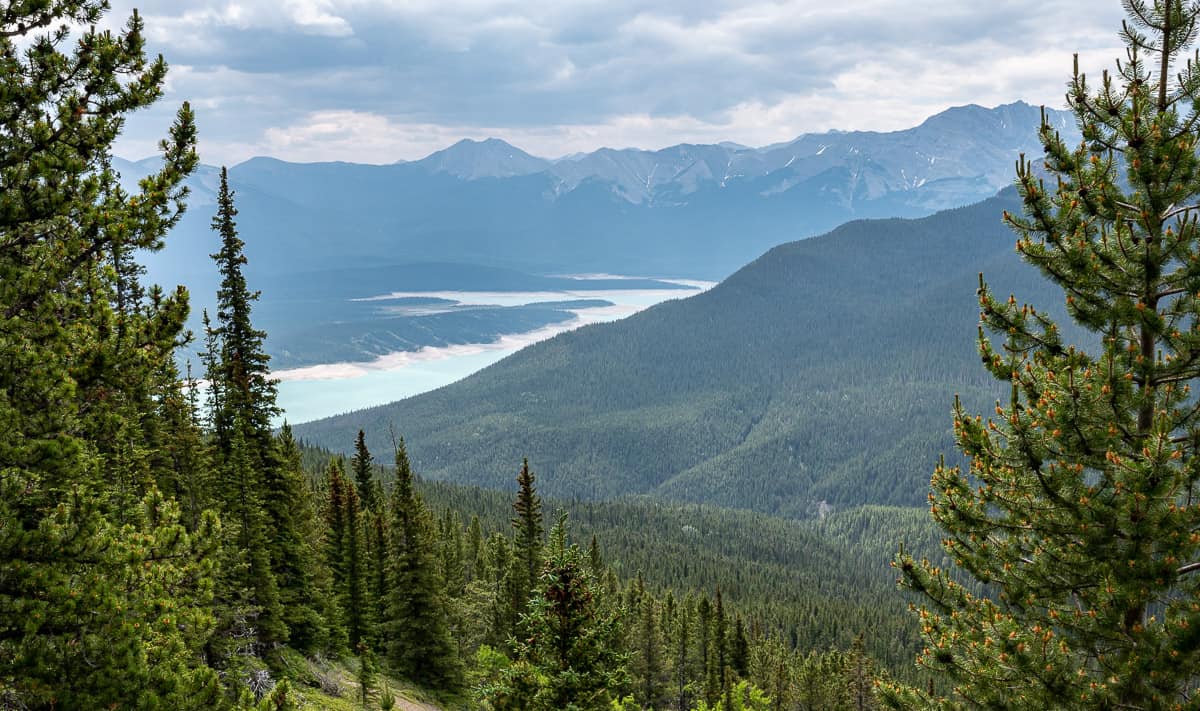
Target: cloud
{"points": [[296, 75]]}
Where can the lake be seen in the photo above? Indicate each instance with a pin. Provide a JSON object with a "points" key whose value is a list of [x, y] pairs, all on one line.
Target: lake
{"points": [[318, 391]]}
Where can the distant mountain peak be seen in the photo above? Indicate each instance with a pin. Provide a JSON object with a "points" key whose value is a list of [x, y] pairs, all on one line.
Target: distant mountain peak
{"points": [[490, 158]]}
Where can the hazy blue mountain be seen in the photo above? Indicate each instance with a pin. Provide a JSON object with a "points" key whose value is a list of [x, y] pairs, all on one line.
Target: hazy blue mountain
{"points": [[491, 158], [686, 210], [961, 155], [823, 371]]}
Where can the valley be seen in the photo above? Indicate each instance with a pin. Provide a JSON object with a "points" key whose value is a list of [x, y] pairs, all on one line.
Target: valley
{"points": [[701, 358]]}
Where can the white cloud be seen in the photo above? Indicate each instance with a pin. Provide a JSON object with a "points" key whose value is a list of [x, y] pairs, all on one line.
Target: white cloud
{"points": [[184, 24], [379, 80]]}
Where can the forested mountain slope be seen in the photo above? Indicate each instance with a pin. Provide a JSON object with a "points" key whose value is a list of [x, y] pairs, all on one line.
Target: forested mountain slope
{"points": [[816, 583], [824, 370]]}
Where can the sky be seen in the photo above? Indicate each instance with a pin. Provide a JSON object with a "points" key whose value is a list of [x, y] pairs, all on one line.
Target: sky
{"points": [[377, 81]]}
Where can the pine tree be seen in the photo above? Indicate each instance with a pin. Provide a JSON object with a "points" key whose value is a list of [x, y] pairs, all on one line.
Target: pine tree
{"points": [[649, 669], [99, 576], [569, 655], [294, 557], [377, 568], [345, 552], [258, 490], [361, 465], [682, 656], [705, 659], [355, 605], [335, 547], [242, 370], [248, 600], [1078, 506], [187, 471], [739, 650], [717, 684], [527, 544], [498, 556], [860, 677], [416, 633], [368, 671], [475, 550]]}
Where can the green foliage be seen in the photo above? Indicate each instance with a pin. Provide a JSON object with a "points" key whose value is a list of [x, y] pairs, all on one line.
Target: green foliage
{"points": [[368, 671], [527, 547], [743, 696], [416, 630], [335, 540], [295, 556], [361, 465], [242, 368], [104, 581], [814, 584], [568, 656], [387, 700], [649, 667], [1076, 510]]}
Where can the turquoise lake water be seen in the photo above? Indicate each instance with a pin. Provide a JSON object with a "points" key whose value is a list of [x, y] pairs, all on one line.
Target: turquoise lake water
{"points": [[321, 391]]}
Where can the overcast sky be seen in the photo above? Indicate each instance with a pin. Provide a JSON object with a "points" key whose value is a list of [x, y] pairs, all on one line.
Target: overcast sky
{"points": [[377, 81]]}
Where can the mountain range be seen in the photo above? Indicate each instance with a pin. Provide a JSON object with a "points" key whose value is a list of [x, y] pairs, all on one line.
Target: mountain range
{"points": [[687, 210]]}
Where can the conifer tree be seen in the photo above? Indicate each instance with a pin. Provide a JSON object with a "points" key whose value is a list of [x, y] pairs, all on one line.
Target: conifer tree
{"points": [[258, 491], [682, 655], [247, 592], [335, 547], [720, 672], [368, 671], [361, 465], [354, 595], [527, 544], [294, 556], [416, 633], [568, 656], [377, 567], [242, 369], [739, 650], [187, 470], [1077, 509], [705, 657], [649, 668], [498, 555], [475, 550], [99, 577]]}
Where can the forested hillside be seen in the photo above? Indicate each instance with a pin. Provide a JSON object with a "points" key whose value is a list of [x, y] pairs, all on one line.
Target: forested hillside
{"points": [[824, 370], [728, 473], [163, 546]]}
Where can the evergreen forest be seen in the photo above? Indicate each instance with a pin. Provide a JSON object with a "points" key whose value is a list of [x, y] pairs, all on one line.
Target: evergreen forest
{"points": [[164, 545]]}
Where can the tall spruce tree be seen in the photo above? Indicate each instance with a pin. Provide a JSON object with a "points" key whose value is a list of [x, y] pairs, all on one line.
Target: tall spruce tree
{"points": [[1078, 508], [361, 465], [416, 633], [649, 663], [355, 604], [294, 553], [243, 365], [260, 491], [102, 589], [335, 546], [569, 656], [527, 545]]}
